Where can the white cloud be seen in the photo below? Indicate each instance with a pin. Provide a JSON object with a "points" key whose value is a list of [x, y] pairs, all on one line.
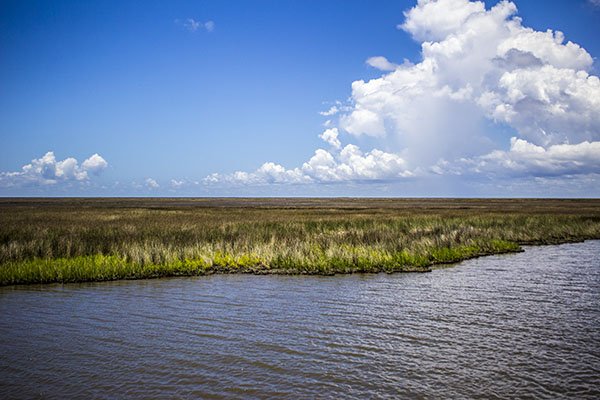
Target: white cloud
{"points": [[332, 111], [151, 183], [478, 65], [176, 184], [192, 25], [95, 164], [209, 26], [364, 121], [525, 158], [182, 184], [547, 46], [49, 171], [381, 63], [331, 136], [348, 164], [547, 105], [268, 173], [433, 20], [375, 164]]}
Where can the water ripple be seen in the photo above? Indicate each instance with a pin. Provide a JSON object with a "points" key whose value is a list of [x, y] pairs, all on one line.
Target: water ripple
{"points": [[522, 325]]}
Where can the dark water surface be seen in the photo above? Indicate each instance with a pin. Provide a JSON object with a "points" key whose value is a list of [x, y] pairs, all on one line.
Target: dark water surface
{"points": [[521, 325]]}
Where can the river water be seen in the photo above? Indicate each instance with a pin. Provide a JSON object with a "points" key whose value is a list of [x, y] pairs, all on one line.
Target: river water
{"points": [[509, 326]]}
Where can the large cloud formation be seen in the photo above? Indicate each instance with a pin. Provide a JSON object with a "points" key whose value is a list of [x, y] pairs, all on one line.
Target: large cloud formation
{"points": [[480, 64], [479, 68], [49, 171]]}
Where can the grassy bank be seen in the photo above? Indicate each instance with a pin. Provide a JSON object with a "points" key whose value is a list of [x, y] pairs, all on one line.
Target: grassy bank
{"points": [[74, 240]]}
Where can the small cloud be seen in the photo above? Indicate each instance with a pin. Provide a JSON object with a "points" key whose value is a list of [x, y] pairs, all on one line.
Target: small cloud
{"points": [[337, 108], [192, 25], [332, 111], [595, 3], [175, 184], [95, 164], [151, 183], [381, 63], [331, 136], [209, 26]]}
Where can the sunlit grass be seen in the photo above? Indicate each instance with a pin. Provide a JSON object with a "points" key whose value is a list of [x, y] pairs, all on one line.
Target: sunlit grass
{"points": [[94, 241]]}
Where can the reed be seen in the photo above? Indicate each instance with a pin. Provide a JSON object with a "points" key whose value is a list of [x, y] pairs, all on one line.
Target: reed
{"points": [[74, 240]]}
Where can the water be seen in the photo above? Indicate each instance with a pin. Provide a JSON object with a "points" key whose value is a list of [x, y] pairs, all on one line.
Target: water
{"points": [[521, 325]]}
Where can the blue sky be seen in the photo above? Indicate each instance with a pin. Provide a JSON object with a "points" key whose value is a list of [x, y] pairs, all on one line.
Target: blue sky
{"points": [[203, 98]]}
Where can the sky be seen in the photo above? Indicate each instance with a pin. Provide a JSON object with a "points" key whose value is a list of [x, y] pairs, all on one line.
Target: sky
{"points": [[446, 98]]}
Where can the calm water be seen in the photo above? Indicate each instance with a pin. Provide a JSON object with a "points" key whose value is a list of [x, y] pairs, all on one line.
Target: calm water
{"points": [[522, 325]]}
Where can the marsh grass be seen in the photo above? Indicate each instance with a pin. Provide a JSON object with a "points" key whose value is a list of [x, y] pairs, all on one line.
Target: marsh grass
{"points": [[74, 240]]}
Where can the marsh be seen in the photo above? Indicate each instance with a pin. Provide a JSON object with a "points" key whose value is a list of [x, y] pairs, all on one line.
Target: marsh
{"points": [[74, 240]]}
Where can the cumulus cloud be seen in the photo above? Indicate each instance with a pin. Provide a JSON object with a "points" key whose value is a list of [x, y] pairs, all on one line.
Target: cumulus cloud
{"points": [[435, 20], [525, 158], [151, 183], [47, 170], [331, 136], [345, 165], [547, 105], [268, 173], [95, 164], [478, 65]]}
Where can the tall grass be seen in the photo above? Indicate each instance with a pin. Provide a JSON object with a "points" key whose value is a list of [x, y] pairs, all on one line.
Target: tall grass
{"points": [[82, 240]]}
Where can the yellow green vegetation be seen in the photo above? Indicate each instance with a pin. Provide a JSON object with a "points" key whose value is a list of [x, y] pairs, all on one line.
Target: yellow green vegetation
{"points": [[75, 240]]}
